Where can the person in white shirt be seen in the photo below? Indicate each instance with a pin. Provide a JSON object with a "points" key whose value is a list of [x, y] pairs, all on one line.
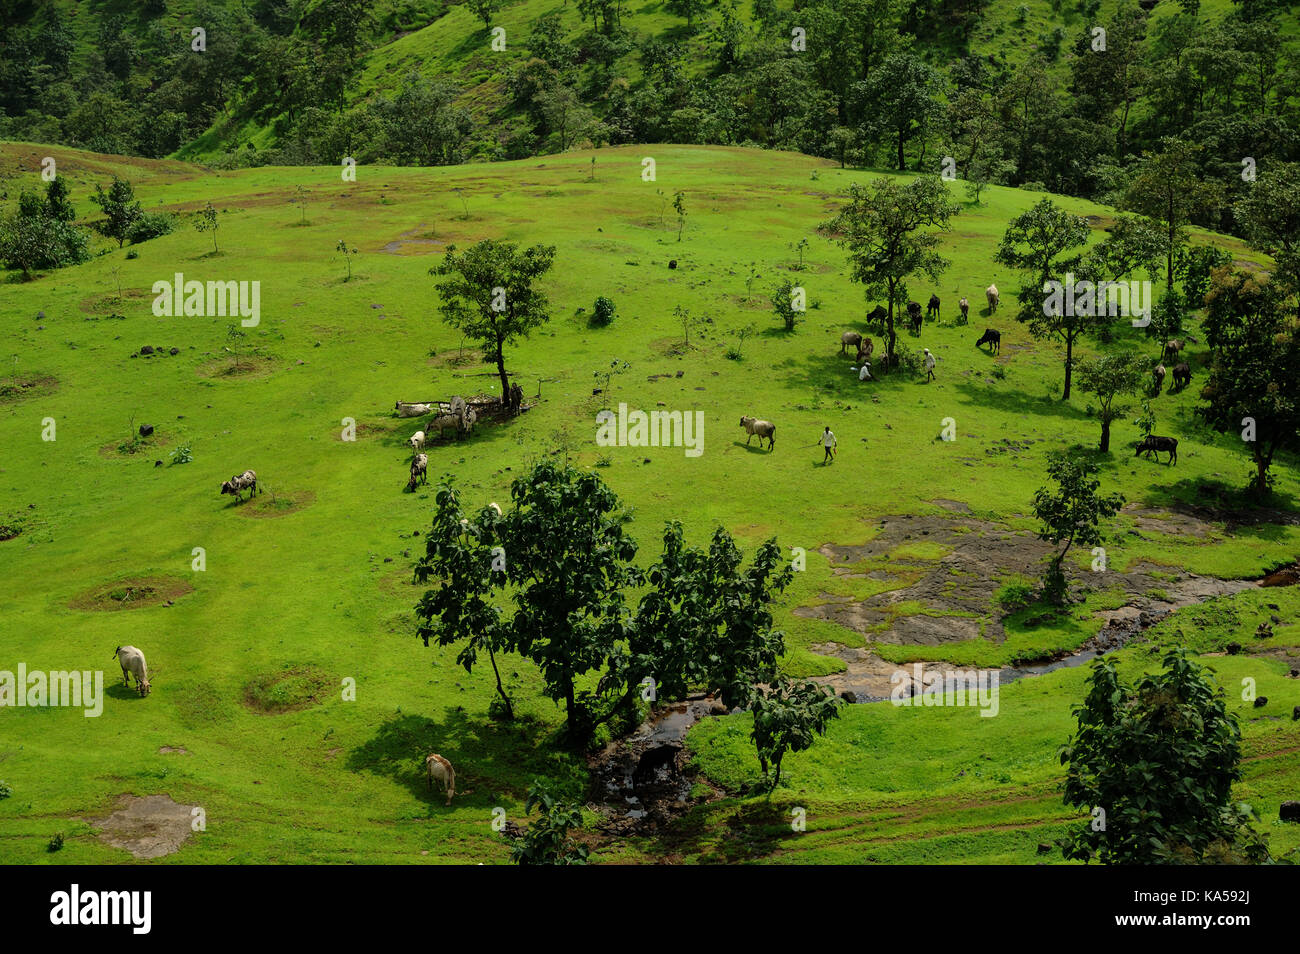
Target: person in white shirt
{"points": [[865, 373], [929, 365], [828, 442]]}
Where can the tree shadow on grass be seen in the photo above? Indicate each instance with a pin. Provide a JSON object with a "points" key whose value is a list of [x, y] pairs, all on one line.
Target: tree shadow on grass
{"points": [[1239, 509], [730, 831], [488, 757], [1017, 403]]}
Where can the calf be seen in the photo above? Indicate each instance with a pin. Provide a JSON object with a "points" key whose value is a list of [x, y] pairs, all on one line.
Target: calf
{"points": [[993, 339], [439, 768], [964, 305], [1154, 444]]}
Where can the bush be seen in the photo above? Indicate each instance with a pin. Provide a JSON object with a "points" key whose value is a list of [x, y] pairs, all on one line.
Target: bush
{"points": [[182, 454], [603, 312], [1016, 593], [150, 225], [5, 790]]}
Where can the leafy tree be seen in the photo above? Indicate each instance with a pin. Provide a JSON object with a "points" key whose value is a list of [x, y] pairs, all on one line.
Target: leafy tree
{"points": [[1040, 243], [422, 124], [205, 220], [788, 717], [1071, 513], [31, 239], [783, 304], [902, 99], [1131, 246], [461, 608], [484, 9], [57, 203], [1250, 391], [890, 232], [547, 840], [707, 621], [689, 9], [1111, 81], [1194, 266], [1158, 758], [1168, 187], [1270, 215], [120, 209], [679, 206], [490, 294], [1110, 377]]}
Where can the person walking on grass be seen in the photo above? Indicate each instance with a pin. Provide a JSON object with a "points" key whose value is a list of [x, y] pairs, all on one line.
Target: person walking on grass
{"points": [[828, 442], [929, 365]]}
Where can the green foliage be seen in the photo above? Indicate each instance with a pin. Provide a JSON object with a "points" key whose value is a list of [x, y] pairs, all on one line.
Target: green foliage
{"points": [[1014, 594], [5, 790], [490, 294], [1270, 216], [891, 232], [34, 239], [205, 220], [547, 840], [1158, 758], [603, 312], [121, 211], [150, 225], [783, 303], [182, 454], [1072, 512], [788, 717], [1110, 377], [55, 844]]}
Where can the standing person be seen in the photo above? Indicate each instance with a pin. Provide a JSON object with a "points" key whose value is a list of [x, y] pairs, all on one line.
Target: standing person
{"points": [[929, 365], [828, 442]]}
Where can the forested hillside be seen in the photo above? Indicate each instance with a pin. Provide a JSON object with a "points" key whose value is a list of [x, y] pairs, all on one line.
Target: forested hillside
{"points": [[1060, 96]]}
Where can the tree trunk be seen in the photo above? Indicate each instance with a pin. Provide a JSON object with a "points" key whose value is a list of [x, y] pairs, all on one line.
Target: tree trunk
{"points": [[510, 709], [900, 150], [501, 373], [1105, 436], [1069, 365]]}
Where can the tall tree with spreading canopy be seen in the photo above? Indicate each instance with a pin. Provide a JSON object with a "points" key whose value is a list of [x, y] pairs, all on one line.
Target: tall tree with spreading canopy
{"points": [[1041, 243], [1251, 387], [1270, 214], [490, 294], [1168, 187], [891, 232]]}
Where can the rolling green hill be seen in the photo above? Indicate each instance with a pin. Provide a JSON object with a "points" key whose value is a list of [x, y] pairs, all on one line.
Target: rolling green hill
{"points": [[309, 584]]}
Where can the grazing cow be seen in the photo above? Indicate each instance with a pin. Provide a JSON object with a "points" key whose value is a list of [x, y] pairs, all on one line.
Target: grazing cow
{"points": [[914, 316], [439, 768], [1158, 377], [1182, 375], [416, 440], [991, 293], [878, 317], [1155, 444], [932, 307], [412, 410], [964, 305], [442, 422], [241, 482], [849, 338], [419, 471], [133, 664], [1174, 345], [991, 338], [760, 427], [864, 350]]}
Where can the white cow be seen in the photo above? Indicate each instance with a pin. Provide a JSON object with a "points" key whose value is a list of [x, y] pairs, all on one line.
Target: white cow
{"points": [[416, 440], [412, 410], [991, 293], [133, 664], [441, 769]]}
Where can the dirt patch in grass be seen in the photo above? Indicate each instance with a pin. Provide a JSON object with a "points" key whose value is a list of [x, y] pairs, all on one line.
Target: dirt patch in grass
{"points": [[173, 750], [937, 601], [20, 387], [275, 505], [148, 827], [230, 368], [456, 358], [132, 593], [289, 690], [108, 301], [135, 446]]}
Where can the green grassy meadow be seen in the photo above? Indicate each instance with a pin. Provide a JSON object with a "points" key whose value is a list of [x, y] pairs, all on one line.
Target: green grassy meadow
{"points": [[309, 585]]}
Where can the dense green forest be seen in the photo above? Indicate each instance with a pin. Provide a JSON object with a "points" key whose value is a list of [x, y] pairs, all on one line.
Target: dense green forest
{"points": [[1063, 97]]}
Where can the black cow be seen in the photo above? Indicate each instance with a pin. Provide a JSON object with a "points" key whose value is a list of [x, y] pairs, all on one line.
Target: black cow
{"points": [[1182, 375], [932, 307], [993, 339], [1155, 444], [914, 316], [877, 318]]}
